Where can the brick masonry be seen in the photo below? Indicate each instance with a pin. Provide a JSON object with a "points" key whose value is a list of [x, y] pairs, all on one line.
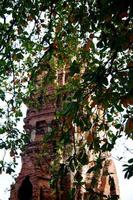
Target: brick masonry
{"points": [[34, 177]]}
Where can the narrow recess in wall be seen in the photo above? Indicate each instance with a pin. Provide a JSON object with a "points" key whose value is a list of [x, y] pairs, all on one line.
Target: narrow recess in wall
{"points": [[25, 190]]}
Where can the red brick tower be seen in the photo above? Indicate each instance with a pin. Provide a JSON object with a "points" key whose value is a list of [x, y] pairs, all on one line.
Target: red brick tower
{"points": [[33, 180], [34, 176]]}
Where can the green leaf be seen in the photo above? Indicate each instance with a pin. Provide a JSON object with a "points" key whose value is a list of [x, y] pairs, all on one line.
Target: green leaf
{"points": [[71, 194], [100, 44], [70, 108], [83, 157], [91, 169], [9, 170], [2, 95], [74, 68], [119, 108], [130, 160], [78, 177], [117, 126], [71, 165]]}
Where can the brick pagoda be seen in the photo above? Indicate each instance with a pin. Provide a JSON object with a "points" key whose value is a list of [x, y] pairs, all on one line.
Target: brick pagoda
{"points": [[33, 180]]}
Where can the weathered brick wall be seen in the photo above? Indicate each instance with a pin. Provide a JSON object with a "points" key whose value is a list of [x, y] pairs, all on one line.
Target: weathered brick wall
{"points": [[36, 167]]}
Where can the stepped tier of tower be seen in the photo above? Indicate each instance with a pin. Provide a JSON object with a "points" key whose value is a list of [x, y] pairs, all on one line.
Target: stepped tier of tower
{"points": [[33, 182]]}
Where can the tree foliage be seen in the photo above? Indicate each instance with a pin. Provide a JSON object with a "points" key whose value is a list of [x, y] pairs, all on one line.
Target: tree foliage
{"points": [[91, 38]]}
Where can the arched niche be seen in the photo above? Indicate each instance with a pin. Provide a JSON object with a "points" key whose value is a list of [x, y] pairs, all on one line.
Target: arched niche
{"points": [[41, 127], [25, 190]]}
